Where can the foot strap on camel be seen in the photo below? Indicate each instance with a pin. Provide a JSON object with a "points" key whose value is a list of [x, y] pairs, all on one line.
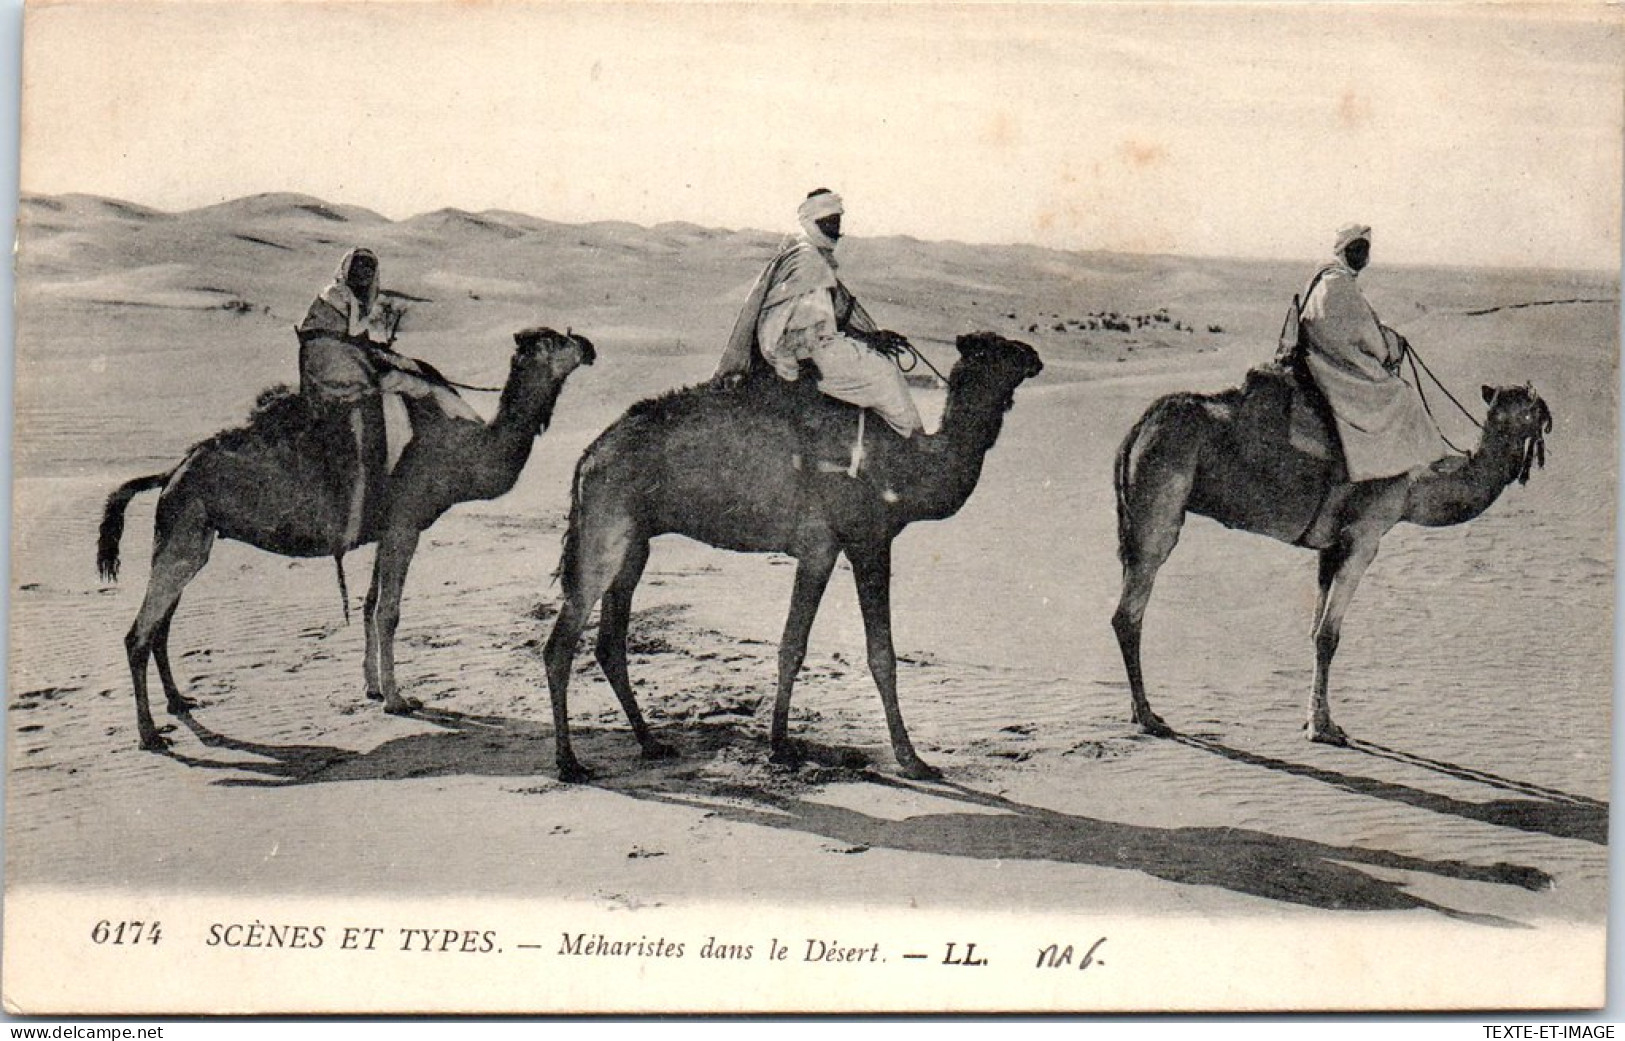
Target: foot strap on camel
{"points": [[830, 466]]}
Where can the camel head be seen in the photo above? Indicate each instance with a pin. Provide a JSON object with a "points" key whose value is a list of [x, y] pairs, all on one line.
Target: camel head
{"points": [[999, 364], [543, 350], [1519, 415], [542, 360]]}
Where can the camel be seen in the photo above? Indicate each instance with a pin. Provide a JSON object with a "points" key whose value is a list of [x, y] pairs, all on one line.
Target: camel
{"points": [[1195, 453], [733, 469], [262, 486]]}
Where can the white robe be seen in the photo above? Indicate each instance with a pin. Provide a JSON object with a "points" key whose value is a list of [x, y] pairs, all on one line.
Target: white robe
{"points": [[1380, 419], [790, 316]]}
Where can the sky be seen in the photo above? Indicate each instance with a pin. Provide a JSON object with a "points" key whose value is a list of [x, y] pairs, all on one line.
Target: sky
{"points": [[1472, 135]]}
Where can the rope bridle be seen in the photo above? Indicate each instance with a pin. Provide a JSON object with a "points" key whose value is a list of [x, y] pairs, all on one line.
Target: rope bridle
{"points": [[1415, 360], [472, 387], [569, 334], [903, 350], [1534, 442]]}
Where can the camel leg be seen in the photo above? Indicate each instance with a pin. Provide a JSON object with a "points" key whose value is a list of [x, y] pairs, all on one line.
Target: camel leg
{"points": [[182, 551], [177, 703], [812, 576], [1341, 568], [369, 625], [1147, 537], [871, 568], [598, 556], [614, 616], [395, 551]]}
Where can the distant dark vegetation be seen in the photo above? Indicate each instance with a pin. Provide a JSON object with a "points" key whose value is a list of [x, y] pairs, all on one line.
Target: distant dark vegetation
{"points": [[1116, 322]]}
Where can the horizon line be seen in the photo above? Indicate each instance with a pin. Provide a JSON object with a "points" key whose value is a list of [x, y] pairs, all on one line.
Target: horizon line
{"points": [[23, 196]]}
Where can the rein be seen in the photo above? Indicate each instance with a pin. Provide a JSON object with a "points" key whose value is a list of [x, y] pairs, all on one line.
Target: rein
{"points": [[470, 386], [915, 360], [1533, 450], [436, 374], [1415, 360]]}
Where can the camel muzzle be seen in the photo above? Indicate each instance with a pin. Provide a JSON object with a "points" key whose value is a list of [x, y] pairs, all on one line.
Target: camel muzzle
{"points": [[589, 354]]}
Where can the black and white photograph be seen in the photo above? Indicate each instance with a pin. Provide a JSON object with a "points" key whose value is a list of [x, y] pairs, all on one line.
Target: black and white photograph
{"points": [[545, 507]]}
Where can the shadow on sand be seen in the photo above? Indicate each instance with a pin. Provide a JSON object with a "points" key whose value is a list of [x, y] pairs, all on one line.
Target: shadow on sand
{"points": [[1248, 862], [1550, 812], [465, 745]]}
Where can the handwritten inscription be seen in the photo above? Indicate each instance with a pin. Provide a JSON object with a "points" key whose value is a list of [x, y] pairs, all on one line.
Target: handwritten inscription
{"points": [[1057, 956]]}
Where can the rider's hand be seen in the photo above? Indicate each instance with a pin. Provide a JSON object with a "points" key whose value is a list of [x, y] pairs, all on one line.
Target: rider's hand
{"points": [[887, 342], [1393, 364]]}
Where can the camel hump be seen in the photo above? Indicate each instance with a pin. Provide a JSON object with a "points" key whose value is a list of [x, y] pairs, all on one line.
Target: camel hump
{"points": [[821, 433], [281, 412], [832, 436], [283, 419]]}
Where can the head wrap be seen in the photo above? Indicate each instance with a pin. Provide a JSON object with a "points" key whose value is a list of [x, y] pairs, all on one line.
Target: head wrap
{"points": [[341, 296], [815, 208], [1350, 233]]}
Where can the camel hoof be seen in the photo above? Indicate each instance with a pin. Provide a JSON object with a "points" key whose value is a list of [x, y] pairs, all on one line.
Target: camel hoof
{"points": [[181, 706], [786, 757], [852, 759], [1152, 724], [373, 695], [155, 742], [1330, 734], [402, 706], [919, 770], [655, 750], [573, 772]]}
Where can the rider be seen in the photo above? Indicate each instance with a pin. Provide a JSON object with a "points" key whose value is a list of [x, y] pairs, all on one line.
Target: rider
{"points": [[345, 358], [800, 311], [1354, 360]]}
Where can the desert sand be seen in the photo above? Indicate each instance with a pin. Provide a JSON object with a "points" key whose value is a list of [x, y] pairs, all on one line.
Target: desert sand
{"points": [[1474, 674]]}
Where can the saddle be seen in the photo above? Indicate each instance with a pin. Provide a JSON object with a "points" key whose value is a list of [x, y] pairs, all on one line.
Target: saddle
{"points": [[833, 438], [1280, 402], [1286, 441], [317, 442]]}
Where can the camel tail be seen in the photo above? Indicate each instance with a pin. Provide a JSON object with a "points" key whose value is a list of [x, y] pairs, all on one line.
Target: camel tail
{"points": [[344, 587], [1120, 481], [112, 530], [570, 553]]}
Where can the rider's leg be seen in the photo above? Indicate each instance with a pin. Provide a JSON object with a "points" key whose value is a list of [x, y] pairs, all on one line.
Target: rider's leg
{"points": [[855, 374], [396, 382], [358, 493]]}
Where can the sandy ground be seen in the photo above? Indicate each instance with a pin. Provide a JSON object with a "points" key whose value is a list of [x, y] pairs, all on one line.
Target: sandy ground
{"points": [[1475, 671]]}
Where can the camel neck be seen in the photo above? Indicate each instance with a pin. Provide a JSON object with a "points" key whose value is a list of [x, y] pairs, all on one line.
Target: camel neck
{"points": [[1459, 495], [970, 425], [522, 415]]}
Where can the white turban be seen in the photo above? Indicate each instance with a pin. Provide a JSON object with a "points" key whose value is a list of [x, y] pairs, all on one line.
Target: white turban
{"points": [[814, 209], [1351, 233], [817, 207]]}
